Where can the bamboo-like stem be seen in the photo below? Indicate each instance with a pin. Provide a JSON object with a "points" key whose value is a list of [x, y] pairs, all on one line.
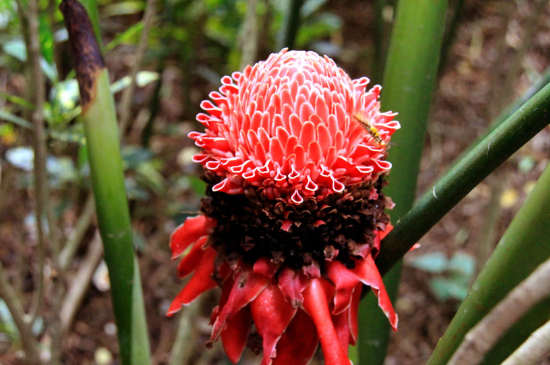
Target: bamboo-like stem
{"points": [[514, 70], [491, 217], [43, 207], [520, 251], [127, 95], [450, 35], [379, 41], [480, 339], [409, 80], [102, 137], [525, 123], [496, 74], [291, 24], [249, 35], [39, 147], [30, 346], [77, 233], [532, 351]]}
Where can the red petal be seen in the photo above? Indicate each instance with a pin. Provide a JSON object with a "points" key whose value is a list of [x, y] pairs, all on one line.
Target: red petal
{"points": [[265, 267], [368, 273], [292, 284], [190, 231], [345, 282], [234, 336], [354, 312], [299, 342], [200, 282], [307, 134], [341, 325], [325, 140], [276, 150], [246, 288], [316, 305], [190, 261], [286, 224], [271, 314], [314, 151]]}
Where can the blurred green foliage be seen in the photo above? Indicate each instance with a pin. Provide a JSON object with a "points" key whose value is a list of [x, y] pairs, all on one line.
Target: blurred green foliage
{"points": [[452, 277]]}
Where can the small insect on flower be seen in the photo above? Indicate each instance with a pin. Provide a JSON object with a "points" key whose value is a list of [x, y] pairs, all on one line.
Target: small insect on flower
{"points": [[372, 130]]}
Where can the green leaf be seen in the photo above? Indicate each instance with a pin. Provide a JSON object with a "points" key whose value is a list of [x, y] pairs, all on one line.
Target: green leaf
{"points": [[123, 8], [7, 116], [46, 37], [142, 79], [129, 35], [16, 48], [449, 288], [17, 100], [434, 262]]}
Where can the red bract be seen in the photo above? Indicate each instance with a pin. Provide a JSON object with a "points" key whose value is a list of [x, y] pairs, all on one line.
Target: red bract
{"points": [[293, 154]]}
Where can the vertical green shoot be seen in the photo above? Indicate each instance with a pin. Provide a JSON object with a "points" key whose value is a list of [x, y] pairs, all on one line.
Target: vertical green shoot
{"points": [[100, 126], [409, 80]]}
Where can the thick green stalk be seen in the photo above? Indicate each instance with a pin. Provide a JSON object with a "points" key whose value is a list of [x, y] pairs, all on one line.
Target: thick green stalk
{"points": [[291, 24], [379, 42], [102, 137], [373, 326], [524, 246], [409, 80], [506, 139]]}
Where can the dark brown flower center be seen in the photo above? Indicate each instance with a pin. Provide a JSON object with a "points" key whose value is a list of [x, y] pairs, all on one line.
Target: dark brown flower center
{"points": [[250, 225]]}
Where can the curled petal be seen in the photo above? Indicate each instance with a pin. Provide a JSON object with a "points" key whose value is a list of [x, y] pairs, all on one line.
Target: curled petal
{"points": [[265, 267], [234, 336], [316, 305], [293, 347], [271, 314], [246, 288], [354, 312], [200, 282], [345, 282], [341, 326], [190, 231], [367, 272], [292, 284], [228, 186], [190, 261]]}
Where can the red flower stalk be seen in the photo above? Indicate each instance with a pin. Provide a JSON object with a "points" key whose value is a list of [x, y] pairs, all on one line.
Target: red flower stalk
{"points": [[293, 154]]}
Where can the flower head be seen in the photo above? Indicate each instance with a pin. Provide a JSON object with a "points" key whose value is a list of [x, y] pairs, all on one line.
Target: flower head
{"points": [[293, 155], [289, 127]]}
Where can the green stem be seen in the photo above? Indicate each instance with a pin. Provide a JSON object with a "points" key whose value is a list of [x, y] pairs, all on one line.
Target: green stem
{"points": [[374, 330], [409, 80], [462, 178], [291, 23], [523, 247], [102, 138], [379, 41]]}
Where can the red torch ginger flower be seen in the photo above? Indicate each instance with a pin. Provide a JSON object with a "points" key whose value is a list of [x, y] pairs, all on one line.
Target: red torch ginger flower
{"points": [[293, 155]]}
